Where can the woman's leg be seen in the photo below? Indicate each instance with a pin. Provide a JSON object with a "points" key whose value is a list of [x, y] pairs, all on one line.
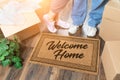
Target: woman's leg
{"points": [[49, 18], [57, 5]]}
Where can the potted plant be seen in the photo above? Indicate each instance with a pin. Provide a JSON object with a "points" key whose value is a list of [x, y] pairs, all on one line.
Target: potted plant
{"points": [[10, 53]]}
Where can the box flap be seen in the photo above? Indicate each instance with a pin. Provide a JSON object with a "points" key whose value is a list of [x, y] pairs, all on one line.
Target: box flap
{"points": [[31, 19], [114, 49], [109, 30], [112, 11]]}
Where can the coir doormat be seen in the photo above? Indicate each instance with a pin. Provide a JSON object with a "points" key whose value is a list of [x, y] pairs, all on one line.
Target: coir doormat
{"points": [[80, 54]]}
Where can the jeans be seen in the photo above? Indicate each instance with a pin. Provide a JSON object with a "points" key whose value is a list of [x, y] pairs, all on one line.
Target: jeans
{"points": [[95, 15], [79, 9], [79, 12]]}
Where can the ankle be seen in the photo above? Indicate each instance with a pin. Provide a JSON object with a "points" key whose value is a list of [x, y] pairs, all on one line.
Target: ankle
{"points": [[51, 15], [73, 29]]}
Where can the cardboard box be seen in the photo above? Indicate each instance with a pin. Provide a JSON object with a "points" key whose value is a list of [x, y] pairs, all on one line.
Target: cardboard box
{"points": [[29, 32], [116, 0], [110, 59], [29, 28], [110, 25]]}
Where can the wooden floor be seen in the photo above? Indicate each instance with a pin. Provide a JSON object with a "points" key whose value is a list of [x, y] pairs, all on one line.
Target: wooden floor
{"points": [[42, 72]]}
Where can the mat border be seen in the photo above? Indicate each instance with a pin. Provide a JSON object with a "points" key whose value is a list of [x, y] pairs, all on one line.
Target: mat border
{"points": [[90, 69]]}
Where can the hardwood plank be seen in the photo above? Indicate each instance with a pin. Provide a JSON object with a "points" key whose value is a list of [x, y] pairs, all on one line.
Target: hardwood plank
{"points": [[14, 73], [71, 75], [55, 74], [36, 72], [4, 71], [30, 42], [102, 73]]}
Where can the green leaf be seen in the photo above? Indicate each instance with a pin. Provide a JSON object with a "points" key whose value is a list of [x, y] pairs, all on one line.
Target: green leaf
{"points": [[2, 58], [3, 47], [12, 44], [6, 62], [18, 65], [5, 53], [0, 53], [17, 47], [4, 41], [9, 52], [16, 59]]}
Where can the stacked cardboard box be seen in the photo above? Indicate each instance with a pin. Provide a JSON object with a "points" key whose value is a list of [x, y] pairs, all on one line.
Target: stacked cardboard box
{"points": [[110, 59], [109, 32], [115, 0], [110, 26]]}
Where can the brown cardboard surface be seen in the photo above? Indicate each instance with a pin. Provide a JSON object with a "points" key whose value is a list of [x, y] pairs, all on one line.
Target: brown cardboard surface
{"points": [[56, 50], [29, 32], [109, 30], [110, 59], [110, 25], [115, 0], [31, 19], [112, 11]]}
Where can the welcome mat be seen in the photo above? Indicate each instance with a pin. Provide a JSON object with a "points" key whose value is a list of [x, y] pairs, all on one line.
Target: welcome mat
{"points": [[74, 53]]}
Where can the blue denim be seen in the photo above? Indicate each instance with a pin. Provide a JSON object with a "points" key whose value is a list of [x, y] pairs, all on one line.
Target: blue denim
{"points": [[79, 11], [96, 12]]}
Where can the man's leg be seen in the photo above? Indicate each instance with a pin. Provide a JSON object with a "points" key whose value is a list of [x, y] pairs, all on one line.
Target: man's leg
{"points": [[78, 14], [95, 17], [96, 12]]}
